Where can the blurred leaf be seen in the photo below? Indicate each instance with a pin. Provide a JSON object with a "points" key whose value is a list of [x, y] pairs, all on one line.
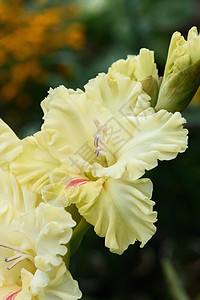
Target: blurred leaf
{"points": [[174, 282]]}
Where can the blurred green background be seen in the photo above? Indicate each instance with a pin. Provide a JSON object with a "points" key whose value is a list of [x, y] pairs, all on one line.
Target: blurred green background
{"points": [[46, 43]]}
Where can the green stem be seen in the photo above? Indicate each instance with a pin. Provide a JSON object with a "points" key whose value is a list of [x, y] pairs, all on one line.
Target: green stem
{"points": [[78, 235], [66, 258]]}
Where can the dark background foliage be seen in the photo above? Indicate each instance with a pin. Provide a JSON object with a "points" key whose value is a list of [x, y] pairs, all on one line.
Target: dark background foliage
{"points": [[83, 41]]}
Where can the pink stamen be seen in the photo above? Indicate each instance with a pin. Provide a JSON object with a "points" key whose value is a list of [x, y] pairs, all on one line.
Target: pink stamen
{"points": [[76, 182], [11, 296]]}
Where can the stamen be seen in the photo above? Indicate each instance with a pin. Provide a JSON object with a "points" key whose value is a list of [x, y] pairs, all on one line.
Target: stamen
{"points": [[23, 254], [11, 296], [97, 151], [100, 140], [8, 259], [99, 126], [97, 123], [19, 259], [96, 140], [13, 248]]}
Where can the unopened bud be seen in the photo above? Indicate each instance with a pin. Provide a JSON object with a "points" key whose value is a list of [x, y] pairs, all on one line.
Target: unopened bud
{"points": [[182, 72]]}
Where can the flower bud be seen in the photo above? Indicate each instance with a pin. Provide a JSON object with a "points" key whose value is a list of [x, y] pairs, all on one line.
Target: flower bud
{"points": [[182, 72]]}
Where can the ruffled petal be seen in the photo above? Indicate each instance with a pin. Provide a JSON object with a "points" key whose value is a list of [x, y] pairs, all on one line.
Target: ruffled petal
{"points": [[59, 285], [61, 92], [11, 238], [35, 163], [86, 192], [17, 195], [71, 130], [137, 67], [47, 229], [9, 145], [155, 136], [121, 95], [122, 213]]}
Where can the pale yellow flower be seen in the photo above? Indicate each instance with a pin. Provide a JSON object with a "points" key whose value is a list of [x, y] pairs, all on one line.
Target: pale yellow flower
{"points": [[102, 156], [86, 137], [31, 247], [181, 76]]}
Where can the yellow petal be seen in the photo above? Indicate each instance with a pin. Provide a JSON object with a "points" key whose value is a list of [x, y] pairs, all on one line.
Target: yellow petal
{"points": [[39, 238], [121, 95], [9, 145], [58, 190], [12, 238], [136, 67], [6, 290], [35, 163], [26, 278], [57, 284], [18, 195], [156, 136], [48, 228], [54, 191], [87, 192], [61, 285], [71, 130], [122, 213], [140, 68]]}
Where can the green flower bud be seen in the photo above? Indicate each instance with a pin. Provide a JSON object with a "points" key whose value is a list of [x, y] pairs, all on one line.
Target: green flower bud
{"points": [[182, 72]]}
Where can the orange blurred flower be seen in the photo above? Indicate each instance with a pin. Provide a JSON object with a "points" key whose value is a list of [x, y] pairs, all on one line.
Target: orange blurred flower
{"points": [[27, 35]]}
